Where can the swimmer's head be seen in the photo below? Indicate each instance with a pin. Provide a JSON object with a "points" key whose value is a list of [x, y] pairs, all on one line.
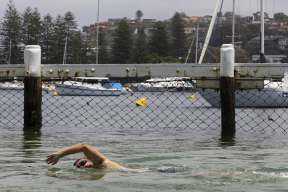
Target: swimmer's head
{"points": [[83, 163]]}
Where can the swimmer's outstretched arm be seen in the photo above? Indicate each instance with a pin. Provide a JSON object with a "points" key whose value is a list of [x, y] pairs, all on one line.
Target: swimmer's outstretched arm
{"points": [[92, 153]]}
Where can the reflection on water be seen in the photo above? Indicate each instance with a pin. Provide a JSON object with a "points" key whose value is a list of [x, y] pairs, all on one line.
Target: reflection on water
{"points": [[227, 141], [174, 161], [75, 174], [31, 145], [31, 139]]}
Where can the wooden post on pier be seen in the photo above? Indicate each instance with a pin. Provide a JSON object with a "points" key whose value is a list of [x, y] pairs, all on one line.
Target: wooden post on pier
{"points": [[227, 92], [32, 88]]}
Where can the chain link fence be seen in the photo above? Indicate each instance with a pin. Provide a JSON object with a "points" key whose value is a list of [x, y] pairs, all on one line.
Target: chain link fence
{"points": [[11, 102], [168, 105], [159, 104]]}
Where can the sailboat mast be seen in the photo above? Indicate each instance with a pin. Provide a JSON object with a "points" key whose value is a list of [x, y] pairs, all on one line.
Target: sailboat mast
{"points": [[10, 51], [262, 28], [65, 47], [233, 24], [197, 42], [97, 34], [210, 30]]}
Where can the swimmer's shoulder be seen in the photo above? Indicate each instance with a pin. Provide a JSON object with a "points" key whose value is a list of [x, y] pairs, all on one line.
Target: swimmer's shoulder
{"points": [[112, 165]]}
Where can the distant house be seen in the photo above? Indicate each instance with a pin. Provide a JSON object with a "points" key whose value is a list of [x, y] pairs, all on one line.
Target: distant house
{"points": [[274, 44], [189, 30], [149, 21], [278, 26], [148, 25], [115, 21], [247, 20], [206, 19], [283, 43], [257, 18], [191, 19]]}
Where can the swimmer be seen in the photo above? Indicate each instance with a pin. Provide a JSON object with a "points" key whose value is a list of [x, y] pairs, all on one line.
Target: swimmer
{"points": [[93, 158]]}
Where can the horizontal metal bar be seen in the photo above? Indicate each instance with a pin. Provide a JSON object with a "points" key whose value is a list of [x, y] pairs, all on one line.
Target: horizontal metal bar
{"points": [[13, 70], [261, 70], [131, 70], [195, 71]]}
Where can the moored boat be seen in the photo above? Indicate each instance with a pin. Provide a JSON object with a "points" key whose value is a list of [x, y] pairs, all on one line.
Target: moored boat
{"points": [[273, 95], [164, 84], [89, 86]]}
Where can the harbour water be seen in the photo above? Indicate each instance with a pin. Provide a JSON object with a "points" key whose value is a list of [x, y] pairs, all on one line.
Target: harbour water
{"points": [[183, 159]]}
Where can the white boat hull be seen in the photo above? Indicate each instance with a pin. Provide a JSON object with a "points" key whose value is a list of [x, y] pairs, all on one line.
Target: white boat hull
{"points": [[70, 90], [266, 98], [161, 86], [11, 86]]}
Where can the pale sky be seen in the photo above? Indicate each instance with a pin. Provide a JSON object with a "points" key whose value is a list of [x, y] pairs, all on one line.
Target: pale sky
{"points": [[86, 10]]}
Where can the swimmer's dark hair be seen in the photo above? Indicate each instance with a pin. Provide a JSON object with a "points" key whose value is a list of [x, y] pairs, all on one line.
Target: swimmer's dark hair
{"points": [[80, 162]]}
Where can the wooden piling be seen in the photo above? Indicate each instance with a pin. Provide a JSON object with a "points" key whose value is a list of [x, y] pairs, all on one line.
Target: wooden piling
{"points": [[32, 88], [227, 92]]}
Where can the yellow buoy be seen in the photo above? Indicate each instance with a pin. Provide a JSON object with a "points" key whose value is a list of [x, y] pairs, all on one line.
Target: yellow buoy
{"points": [[50, 88], [142, 102], [55, 93], [193, 98]]}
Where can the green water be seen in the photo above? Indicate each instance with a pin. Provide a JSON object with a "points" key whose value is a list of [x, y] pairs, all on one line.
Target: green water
{"points": [[182, 161], [175, 143]]}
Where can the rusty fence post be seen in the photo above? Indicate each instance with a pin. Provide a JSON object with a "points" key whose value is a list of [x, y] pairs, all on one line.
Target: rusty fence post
{"points": [[227, 92], [32, 88]]}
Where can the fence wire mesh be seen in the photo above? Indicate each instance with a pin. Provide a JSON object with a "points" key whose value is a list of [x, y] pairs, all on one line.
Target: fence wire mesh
{"points": [[11, 102], [138, 106], [161, 105]]}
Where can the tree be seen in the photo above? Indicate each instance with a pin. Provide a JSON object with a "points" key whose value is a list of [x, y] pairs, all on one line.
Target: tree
{"points": [[76, 54], [159, 40], [280, 17], [26, 17], [71, 34], [103, 54], [140, 47], [213, 55], [31, 27], [155, 58], [122, 43], [178, 36], [46, 39], [10, 32], [241, 55], [58, 40], [257, 16], [64, 40], [89, 41], [139, 15]]}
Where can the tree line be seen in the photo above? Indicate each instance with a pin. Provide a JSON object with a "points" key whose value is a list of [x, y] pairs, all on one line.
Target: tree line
{"points": [[29, 28], [62, 42], [159, 47]]}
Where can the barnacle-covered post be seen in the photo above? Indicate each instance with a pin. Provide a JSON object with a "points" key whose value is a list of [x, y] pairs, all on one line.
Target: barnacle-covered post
{"points": [[227, 91], [32, 88]]}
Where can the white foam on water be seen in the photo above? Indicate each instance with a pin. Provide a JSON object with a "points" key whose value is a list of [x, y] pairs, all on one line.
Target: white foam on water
{"points": [[272, 174]]}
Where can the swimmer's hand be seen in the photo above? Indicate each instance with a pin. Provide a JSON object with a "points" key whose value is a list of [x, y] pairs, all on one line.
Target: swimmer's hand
{"points": [[53, 158]]}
